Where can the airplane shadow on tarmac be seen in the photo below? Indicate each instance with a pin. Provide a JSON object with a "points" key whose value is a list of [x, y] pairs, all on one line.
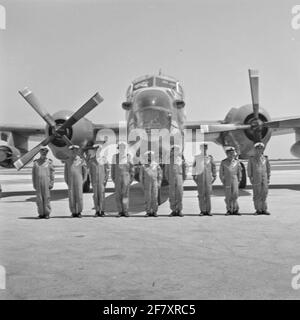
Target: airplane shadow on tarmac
{"points": [[137, 194], [137, 203]]}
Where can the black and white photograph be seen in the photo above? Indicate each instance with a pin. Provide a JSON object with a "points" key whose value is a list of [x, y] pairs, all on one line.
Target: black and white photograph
{"points": [[149, 150]]}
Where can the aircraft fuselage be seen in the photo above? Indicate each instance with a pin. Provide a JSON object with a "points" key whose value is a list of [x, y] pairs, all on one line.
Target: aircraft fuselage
{"points": [[155, 113]]}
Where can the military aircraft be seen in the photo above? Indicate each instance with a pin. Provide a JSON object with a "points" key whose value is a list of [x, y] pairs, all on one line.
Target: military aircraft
{"points": [[154, 105]]}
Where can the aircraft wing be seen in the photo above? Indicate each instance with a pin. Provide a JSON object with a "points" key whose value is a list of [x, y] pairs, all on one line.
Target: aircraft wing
{"points": [[284, 123], [108, 130], [22, 129], [112, 126], [37, 131], [216, 127], [211, 129]]}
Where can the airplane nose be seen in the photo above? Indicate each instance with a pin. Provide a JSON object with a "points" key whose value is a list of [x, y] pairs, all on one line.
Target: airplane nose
{"points": [[153, 108], [153, 98]]}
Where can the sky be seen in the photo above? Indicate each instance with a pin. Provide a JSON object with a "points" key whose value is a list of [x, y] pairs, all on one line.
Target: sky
{"points": [[65, 51]]}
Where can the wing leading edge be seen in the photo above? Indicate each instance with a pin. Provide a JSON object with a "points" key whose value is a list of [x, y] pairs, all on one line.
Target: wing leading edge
{"points": [[22, 129]]}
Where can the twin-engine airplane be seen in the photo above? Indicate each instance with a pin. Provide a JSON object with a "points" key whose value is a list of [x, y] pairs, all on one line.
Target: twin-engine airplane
{"points": [[152, 103]]}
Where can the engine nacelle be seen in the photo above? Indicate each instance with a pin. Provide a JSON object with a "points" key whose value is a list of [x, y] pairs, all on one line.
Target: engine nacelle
{"points": [[8, 155], [295, 149], [243, 140], [81, 133]]}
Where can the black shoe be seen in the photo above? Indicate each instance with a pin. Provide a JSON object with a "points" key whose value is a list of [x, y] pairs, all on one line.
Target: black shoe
{"points": [[97, 214], [208, 214], [154, 214], [228, 213], [102, 213], [267, 213], [148, 214], [126, 214], [76, 215], [202, 214], [236, 213], [47, 217], [172, 214], [179, 214], [120, 214]]}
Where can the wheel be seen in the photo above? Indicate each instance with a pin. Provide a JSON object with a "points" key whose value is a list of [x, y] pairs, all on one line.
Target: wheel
{"points": [[86, 185], [243, 182]]}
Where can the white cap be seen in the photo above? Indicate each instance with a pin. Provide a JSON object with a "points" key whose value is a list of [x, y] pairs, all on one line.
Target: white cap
{"points": [[149, 152], [258, 145], [74, 146], [229, 148]]}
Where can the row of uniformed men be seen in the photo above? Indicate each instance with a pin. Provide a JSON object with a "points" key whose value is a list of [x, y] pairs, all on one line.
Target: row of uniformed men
{"points": [[230, 173], [122, 174]]}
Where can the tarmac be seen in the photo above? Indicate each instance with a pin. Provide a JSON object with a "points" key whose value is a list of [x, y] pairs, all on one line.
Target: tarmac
{"points": [[193, 257]]}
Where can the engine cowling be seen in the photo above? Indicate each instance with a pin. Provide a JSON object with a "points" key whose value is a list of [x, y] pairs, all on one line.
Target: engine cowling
{"points": [[243, 140], [8, 155], [81, 133], [295, 149]]}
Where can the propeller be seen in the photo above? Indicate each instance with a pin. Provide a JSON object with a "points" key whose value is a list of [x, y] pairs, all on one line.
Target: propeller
{"points": [[256, 122], [56, 132], [32, 100], [27, 157]]}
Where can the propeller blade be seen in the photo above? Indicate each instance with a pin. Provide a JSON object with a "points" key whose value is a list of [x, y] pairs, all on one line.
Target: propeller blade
{"points": [[254, 85], [81, 112], [32, 100], [67, 140], [27, 157]]}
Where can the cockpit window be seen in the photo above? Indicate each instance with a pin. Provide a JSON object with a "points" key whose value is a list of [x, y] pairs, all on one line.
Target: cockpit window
{"points": [[148, 99], [129, 92], [180, 90], [145, 83], [165, 83]]}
